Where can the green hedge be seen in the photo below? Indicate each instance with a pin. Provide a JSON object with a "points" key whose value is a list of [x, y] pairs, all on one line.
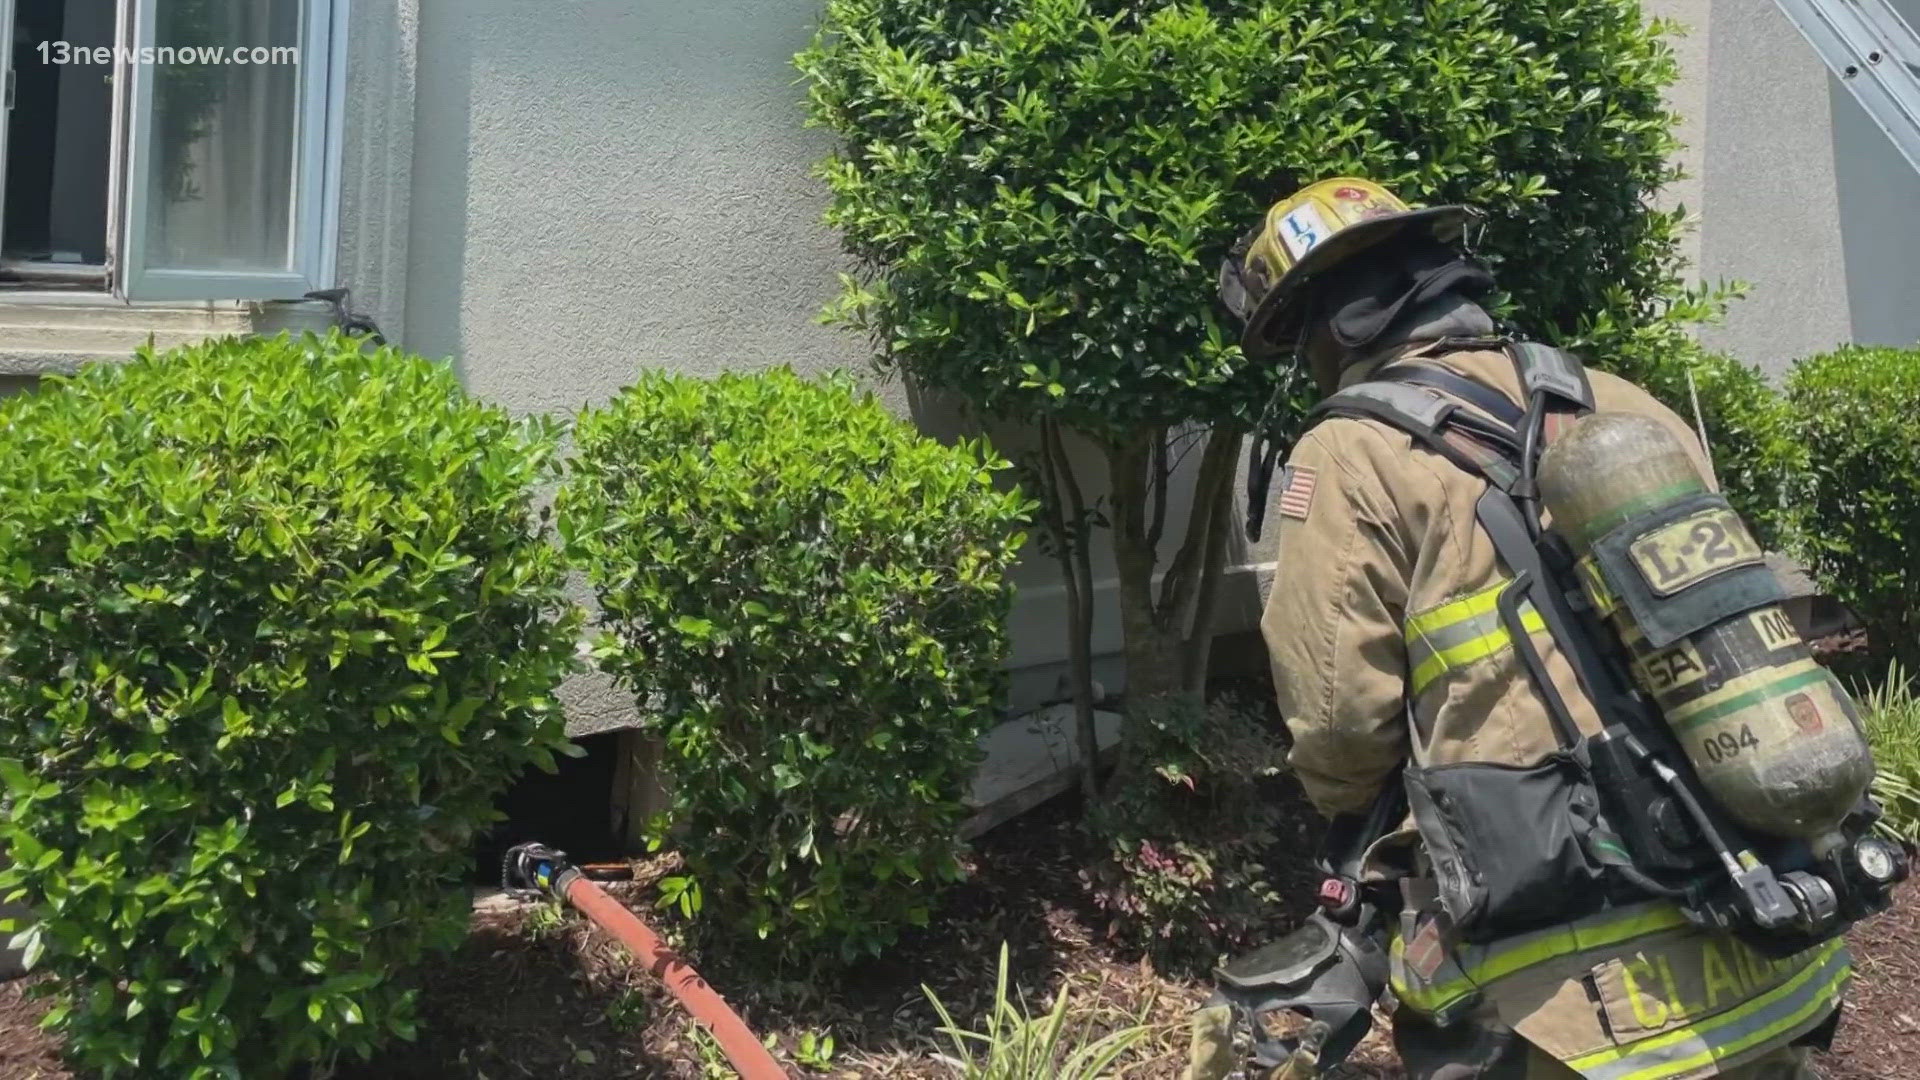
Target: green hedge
{"points": [[1860, 502], [807, 598], [277, 622], [1042, 190]]}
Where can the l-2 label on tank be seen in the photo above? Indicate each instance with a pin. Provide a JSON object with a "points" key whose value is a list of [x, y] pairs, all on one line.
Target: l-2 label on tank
{"points": [[1693, 549]]}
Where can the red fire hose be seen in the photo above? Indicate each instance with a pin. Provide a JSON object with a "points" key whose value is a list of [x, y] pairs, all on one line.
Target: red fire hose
{"points": [[532, 866]]}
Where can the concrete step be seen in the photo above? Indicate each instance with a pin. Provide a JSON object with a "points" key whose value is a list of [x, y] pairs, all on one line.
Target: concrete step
{"points": [[1029, 760]]}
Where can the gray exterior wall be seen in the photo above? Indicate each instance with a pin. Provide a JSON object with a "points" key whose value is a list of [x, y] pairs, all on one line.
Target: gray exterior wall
{"points": [[1797, 193], [557, 195], [605, 185]]}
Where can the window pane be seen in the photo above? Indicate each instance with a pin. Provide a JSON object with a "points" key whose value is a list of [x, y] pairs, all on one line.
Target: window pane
{"points": [[226, 109], [58, 132]]}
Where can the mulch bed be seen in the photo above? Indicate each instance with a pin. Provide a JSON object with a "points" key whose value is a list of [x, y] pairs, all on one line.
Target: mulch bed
{"points": [[537, 992], [534, 993], [25, 1052], [528, 996], [1880, 1034]]}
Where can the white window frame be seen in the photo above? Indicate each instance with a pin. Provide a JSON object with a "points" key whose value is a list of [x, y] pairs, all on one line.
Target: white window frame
{"points": [[315, 228], [7, 80], [315, 202]]}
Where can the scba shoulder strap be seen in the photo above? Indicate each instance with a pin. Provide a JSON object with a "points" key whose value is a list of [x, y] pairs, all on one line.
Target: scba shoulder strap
{"points": [[1501, 443], [1420, 393]]}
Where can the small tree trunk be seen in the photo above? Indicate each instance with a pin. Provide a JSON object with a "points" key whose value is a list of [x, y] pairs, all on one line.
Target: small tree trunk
{"points": [[1169, 635], [1207, 604], [1066, 518], [1152, 646]]}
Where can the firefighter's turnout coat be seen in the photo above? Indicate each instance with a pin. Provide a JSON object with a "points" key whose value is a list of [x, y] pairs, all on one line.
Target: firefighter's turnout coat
{"points": [[1387, 649]]}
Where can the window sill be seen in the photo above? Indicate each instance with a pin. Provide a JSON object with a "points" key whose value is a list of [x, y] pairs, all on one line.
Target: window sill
{"points": [[49, 333]]}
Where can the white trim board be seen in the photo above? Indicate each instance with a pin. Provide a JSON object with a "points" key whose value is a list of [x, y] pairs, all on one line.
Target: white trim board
{"points": [[1040, 615]]}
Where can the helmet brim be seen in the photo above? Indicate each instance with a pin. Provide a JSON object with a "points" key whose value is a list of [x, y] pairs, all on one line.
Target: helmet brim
{"points": [[1275, 323]]}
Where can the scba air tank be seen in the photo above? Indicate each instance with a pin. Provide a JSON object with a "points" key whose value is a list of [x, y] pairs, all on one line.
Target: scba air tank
{"points": [[1774, 737]]}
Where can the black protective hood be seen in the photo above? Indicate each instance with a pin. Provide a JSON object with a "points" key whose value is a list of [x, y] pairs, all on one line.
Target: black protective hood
{"points": [[1364, 299]]}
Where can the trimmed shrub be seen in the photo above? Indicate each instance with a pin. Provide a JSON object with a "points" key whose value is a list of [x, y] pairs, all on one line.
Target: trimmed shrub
{"points": [[807, 598], [277, 623], [1043, 189], [1860, 504], [1184, 841], [1038, 194]]}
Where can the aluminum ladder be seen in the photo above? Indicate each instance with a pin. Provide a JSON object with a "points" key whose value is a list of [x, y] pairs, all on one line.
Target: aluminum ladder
{"points": [[1871, 47]]}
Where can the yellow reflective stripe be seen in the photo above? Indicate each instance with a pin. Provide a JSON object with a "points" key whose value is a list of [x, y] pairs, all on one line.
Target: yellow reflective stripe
{"points": [[1516, 954], [1598, 591], [1455, 611], [1752, 1023], [1426, 998], [1474, 633]]}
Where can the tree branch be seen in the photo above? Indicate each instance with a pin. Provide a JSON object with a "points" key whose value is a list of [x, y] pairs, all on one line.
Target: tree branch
{"points": [[1077, 568], [1160, 477], [1126, 473], [1198, 647]]}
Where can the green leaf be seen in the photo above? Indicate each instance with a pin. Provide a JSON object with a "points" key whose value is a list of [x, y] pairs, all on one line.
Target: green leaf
{"points": [[32, 944], [14, 776], [692, 627]]}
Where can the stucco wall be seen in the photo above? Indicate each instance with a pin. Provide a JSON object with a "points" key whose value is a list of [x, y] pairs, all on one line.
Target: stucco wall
{"points": [[604, 185], [1771, 214], [1797, 193]]}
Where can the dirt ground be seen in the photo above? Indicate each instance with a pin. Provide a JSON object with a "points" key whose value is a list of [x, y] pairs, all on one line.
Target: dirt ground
{"points": [[534, 993]]}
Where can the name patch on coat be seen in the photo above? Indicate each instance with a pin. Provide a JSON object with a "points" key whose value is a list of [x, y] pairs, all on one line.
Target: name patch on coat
{"points": [[1296, 491]]}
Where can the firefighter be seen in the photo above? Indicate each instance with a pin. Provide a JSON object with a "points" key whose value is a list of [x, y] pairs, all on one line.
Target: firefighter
{"points": [[1387, 652]]}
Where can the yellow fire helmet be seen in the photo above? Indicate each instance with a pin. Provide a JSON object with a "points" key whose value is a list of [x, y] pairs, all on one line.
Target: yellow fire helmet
{"points": [[1264, 278]]}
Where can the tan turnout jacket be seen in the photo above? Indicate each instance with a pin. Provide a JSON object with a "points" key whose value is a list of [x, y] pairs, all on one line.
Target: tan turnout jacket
{"points": [[1385, 589]]}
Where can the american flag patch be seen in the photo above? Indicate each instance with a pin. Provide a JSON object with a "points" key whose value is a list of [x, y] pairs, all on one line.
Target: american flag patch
{"points": [[1296, 491]]}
